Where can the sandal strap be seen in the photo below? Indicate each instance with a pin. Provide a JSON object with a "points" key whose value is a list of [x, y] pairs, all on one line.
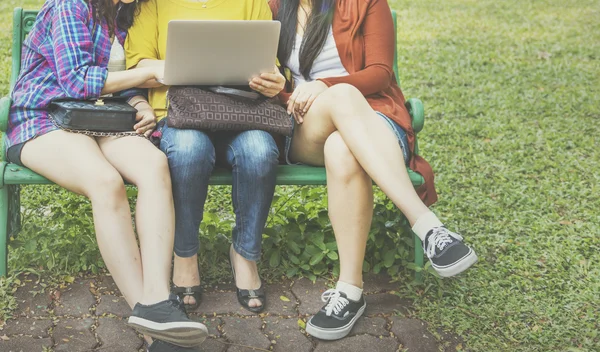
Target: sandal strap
{"points": [[259, 293], [187, 291]]}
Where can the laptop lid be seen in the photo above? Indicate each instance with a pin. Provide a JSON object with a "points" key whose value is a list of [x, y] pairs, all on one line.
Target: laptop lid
{"points": [[219, 52]]}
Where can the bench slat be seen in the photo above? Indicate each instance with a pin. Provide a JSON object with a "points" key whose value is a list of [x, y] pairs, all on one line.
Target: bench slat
{"points": [[286, 175]]}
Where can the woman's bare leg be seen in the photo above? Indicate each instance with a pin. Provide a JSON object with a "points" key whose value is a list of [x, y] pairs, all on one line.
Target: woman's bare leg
{"points": [[350, 198], [75, 162], [145, 166], [343, 108]]}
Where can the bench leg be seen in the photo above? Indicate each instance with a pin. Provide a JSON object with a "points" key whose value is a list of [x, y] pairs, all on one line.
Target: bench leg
{"points": [[3, 230], [418, 258]]}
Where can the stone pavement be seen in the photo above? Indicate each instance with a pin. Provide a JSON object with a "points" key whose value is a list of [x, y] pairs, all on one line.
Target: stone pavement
{"points": [[90, 315]]}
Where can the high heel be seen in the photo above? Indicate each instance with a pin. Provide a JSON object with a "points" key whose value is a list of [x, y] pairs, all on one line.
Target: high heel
{"points": [[244, 296]]}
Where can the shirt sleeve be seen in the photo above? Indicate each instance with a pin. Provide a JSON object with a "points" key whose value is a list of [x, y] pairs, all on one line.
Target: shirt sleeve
{"points": [[77, 73], [142, 38], [261, 11], [379, 43]]}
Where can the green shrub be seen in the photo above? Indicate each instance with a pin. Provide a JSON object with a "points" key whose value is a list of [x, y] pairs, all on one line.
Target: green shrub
{"points": [[58, 234]]}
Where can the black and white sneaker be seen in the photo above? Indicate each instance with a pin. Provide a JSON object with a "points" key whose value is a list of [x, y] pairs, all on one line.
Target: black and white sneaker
{"points": [[449, 256], [168, 321], [337, 317]]}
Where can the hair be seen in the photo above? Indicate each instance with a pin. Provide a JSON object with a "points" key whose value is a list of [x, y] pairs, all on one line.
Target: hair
{"points": [[123, 13], [315, 35]]}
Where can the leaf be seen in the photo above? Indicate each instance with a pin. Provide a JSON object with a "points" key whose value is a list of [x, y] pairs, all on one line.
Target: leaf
{"points": [[69, 279], [332, 255], [317, 258], [301, 324], [284, 298], [274, 260], [293, 246]]}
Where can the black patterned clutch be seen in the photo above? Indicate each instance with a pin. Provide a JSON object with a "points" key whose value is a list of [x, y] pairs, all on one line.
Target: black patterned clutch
{"points": [[102, 115]]}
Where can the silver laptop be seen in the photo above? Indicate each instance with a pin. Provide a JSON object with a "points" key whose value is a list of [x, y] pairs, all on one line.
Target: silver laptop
{"points": [[219, 52]]}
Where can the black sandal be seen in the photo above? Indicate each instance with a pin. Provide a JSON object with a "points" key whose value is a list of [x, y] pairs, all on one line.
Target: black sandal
{"points": [[244, 296], [194, 291]]}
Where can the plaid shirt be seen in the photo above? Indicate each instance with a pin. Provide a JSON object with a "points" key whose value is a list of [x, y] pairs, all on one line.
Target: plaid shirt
{"points": [[64, 56]]}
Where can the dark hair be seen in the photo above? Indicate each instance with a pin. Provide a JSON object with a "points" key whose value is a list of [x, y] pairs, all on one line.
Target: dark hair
{"points": [[107, 10], [315, 35]]}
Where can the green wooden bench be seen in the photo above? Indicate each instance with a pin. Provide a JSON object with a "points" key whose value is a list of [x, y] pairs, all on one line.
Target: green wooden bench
{"points": [[12, 176]]}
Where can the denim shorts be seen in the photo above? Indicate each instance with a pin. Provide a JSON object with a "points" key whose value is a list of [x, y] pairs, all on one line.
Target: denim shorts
{"points": [[398, 132]]}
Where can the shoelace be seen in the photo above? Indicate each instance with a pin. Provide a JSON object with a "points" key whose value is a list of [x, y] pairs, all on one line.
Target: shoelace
{"points": [[440, 238], [335, 301]]}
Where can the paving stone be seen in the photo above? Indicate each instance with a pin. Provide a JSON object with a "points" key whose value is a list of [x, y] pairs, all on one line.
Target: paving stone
{"points": [[115, 305], [211, 323], [220, 303], [75, 300], [74, 335], [224, 286], [375, 283], [359, 343], [413, 335], [386, 303], [287, 335], [27, 326], [371, 326], [24, 344], [105, 285], [244, 333], [274, 303], [31, 298], [214, 345], [309, 295], [116, 336]]}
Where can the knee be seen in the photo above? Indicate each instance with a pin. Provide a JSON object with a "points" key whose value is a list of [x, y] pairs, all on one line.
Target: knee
{"points": [[257, 154], [188, 150], [344, 92], [155, 171], [339, 160], [106, 187]]}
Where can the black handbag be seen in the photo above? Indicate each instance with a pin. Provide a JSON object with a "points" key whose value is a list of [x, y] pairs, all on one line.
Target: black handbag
{"points": [[106, 116]]}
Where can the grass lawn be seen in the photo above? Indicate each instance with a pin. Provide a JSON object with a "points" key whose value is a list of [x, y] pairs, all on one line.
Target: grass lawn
{"points": [[512, 97]]}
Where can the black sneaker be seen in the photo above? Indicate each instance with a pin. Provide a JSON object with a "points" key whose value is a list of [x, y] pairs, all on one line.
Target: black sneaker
{"points": [[449, 256], [161, 346], [337, 317], [167, 321]]}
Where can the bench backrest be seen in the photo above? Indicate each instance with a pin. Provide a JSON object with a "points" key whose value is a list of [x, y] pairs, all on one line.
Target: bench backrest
{"points": [[23, 21]]}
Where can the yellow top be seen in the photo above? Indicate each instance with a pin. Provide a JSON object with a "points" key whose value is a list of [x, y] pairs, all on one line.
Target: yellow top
{"points": [[147, 38]]}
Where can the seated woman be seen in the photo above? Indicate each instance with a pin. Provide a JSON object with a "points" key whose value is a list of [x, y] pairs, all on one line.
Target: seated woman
{"points": [[253, 155], [66, 56], [350, 117]]}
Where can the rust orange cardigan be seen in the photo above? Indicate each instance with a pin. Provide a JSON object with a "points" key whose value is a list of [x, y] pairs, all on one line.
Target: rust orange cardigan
{"points": [[364, 35]]}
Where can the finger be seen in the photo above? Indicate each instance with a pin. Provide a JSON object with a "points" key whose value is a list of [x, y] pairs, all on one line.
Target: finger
{"points": [[291, 103], [309, 103], [273, 77], [297, 117]]}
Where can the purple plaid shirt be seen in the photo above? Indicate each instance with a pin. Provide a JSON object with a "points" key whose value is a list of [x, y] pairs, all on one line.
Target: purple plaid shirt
{"points": [[64, 56]]}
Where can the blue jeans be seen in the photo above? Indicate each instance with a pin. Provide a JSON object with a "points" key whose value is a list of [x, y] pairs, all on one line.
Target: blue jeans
{"points": [[251, 155]]}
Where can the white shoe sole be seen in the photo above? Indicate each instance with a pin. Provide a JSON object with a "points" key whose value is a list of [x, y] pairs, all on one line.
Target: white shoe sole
{"points": [[458, 267], [184, 334], [334, 334]]}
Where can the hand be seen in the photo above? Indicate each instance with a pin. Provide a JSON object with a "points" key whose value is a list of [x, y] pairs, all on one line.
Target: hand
{"points": [[146, 120], [303, 97], [158, 69], [268, 84]]}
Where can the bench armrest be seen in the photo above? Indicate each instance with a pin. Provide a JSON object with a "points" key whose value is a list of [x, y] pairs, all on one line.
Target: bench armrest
{"points": [[417, 113], [4, 110]]}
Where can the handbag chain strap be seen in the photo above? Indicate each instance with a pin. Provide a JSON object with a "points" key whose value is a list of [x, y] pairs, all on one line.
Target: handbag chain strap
{"points": [[97, 133]]}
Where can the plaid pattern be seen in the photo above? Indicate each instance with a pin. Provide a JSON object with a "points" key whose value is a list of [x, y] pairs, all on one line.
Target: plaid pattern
{"points": [[64, 56]]}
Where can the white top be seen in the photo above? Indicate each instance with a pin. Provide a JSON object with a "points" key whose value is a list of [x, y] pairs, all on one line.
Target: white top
{"points": [[117, 57], [327, 64]]}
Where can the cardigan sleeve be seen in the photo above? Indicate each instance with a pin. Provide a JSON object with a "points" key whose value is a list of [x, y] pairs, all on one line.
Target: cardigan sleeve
{"points": [[379, 42]]}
